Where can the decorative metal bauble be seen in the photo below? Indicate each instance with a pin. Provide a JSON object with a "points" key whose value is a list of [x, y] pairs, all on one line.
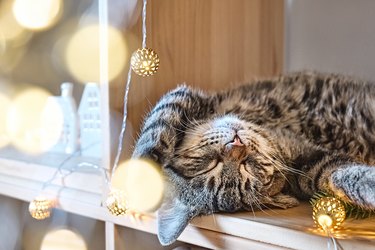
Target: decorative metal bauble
{"points": [[40, 208], [145, 62], [328, 213], [116, 203]]}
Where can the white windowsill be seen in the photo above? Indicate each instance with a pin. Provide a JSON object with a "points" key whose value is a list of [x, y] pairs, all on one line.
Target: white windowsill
{"points": [[277, 229]]}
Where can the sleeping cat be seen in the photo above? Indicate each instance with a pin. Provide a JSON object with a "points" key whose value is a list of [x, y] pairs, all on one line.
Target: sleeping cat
{"points": [[264, 144]]}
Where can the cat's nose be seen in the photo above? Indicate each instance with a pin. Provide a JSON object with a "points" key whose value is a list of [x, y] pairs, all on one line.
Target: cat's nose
{"points": [[235, 149], [237, 141]]}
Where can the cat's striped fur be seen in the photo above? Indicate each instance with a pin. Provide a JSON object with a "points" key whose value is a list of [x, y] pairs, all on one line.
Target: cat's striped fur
{"points": [[262, 144]]}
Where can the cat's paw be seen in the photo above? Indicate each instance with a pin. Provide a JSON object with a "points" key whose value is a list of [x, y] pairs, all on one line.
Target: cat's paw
{"points": [[356, 184], [282, 201]]}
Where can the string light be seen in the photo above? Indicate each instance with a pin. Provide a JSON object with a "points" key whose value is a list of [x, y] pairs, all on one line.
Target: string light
{"points": [[116, 202], [40, 208], [144, 62], [142, 184], [116, 199], [328, 213]]}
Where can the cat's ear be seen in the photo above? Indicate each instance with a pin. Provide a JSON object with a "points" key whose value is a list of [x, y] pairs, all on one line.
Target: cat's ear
{"points": [[173, 217]]}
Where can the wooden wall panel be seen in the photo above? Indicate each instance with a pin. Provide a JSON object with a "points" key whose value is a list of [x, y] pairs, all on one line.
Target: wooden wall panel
{"points": [[209, 44]]}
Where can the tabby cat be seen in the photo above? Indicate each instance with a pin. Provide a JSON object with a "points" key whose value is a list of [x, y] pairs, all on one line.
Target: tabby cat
{"points": [[267, 143]]}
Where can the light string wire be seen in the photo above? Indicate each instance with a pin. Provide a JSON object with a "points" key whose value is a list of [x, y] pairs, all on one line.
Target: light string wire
{"points": [[331, 238], [80, 166], [123, 126], [144, 34]]}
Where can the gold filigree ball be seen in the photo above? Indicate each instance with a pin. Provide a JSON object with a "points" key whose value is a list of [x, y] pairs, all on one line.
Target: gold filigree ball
{"points": [[40, 208], [116, 203], [145, 62], [328, 213]]}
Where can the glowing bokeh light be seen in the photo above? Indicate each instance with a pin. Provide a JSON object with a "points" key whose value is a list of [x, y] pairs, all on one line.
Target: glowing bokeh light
{"points": [[82, 54], [52, 122], [145, 62], [9, 27], [4, 107], [41, 207], [63, 239], [37, 14], [116, 202], [142, 182], [25, 121], [328, 213]]}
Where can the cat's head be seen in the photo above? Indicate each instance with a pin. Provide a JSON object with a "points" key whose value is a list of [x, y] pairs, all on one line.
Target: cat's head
{"points": [[224, 164]]}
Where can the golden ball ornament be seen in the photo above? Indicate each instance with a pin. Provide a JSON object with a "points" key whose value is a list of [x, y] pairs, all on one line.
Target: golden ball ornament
{"points": [[328, 213], [145, 62], [116, 203], [40, 208]]}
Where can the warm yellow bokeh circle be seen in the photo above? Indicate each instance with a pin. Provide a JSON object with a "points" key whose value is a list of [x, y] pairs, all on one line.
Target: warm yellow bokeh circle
{"points": [[28, 122], [82, 55], [37, 14], [142, 182], [63, 239], [4, 107], [10, 29]]}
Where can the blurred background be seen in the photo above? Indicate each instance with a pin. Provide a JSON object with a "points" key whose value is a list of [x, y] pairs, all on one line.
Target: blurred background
{"points": [[45, 43]]}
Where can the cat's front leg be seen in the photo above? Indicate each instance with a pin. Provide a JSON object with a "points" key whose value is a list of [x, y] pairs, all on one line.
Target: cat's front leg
{"points": [[165, 125], [355, 183], [338, 174]]}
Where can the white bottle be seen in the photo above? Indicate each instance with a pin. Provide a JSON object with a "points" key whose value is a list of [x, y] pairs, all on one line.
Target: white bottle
{"points": [[69, 110], [60, 117]]}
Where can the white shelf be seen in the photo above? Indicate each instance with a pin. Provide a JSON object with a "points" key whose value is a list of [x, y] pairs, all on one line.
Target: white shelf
{"points": [[273, 229]]}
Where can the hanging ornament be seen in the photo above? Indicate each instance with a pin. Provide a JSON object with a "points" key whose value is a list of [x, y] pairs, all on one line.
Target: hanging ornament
{"points": [[116, 202], [328, 213], [40, 208], [145, 62]]}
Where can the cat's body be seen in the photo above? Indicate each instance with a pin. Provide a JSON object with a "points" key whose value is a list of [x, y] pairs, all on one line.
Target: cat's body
{"points": [[262, 144]]}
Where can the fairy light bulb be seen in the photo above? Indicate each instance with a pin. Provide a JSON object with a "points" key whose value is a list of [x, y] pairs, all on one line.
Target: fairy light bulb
{"points": [[40, 208], [328, 213], [116, 202], [145, 62]]}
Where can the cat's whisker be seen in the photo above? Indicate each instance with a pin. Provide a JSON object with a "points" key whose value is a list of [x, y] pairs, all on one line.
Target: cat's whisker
{"points": [[193, 122], [191, 148], [257, 203], [260, 204], [297, 171], [214, 219], [252, 208]]}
